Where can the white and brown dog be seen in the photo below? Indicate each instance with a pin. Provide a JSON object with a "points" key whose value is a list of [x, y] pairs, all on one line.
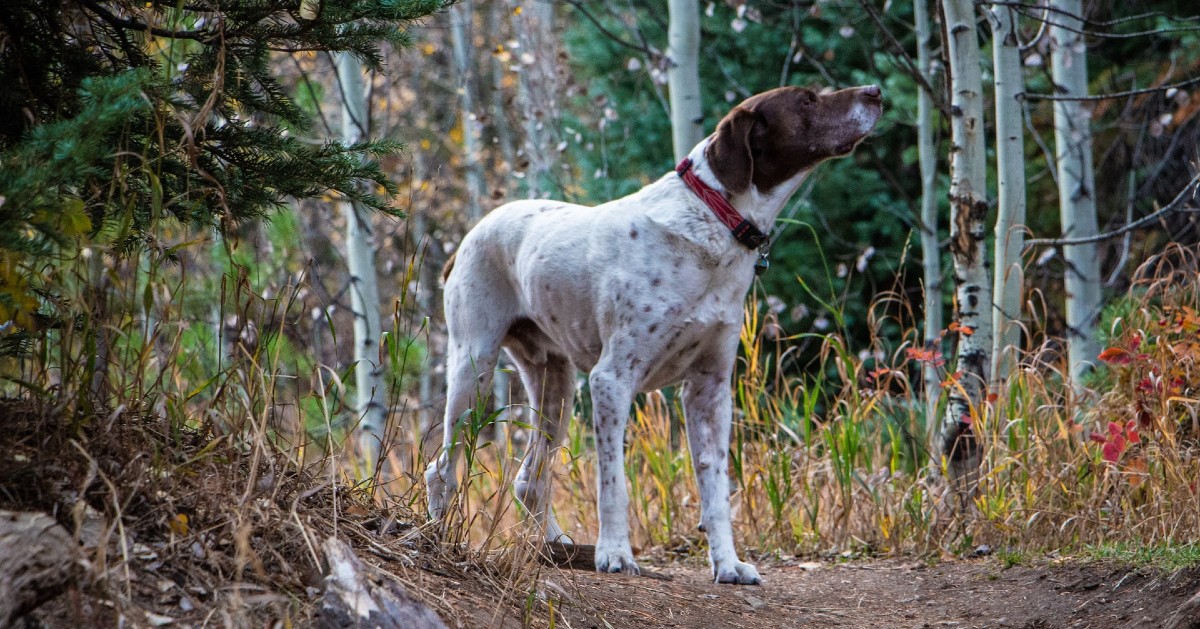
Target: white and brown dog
{"points": [[642, 292]]}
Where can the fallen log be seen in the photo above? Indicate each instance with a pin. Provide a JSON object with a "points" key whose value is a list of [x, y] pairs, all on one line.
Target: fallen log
{"points": [[356, 595], [38, 561], [1186, 616]]}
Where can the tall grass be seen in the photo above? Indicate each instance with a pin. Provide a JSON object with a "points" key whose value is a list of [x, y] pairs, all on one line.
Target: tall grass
{"points": [[828, 457], [835, 459]]}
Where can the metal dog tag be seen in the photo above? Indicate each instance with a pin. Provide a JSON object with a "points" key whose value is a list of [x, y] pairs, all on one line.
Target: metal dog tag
{"points": [[762, 265]]}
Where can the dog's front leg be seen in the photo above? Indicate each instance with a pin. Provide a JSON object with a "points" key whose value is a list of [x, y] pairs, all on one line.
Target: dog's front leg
{"points": [[708, 408], [611, 397]]}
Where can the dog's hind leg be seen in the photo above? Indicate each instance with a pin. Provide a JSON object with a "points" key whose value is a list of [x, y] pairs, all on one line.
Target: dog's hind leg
{"points": [[551, 388], [473, 346], [468, 383]]}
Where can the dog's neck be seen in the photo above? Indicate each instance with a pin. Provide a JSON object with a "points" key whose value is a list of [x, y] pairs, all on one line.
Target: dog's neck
{"points": [[759, 207]]}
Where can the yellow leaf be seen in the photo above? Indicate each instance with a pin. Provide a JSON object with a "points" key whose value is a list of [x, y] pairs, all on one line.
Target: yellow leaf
{"points": [[179, 524]]}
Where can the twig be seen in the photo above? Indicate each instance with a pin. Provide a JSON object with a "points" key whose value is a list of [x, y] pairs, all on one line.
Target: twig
{"points": [[1179, 199], [609, 34], [1127, 93]]}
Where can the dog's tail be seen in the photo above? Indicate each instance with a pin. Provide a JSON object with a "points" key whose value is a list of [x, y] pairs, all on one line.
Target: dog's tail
{"points": [[449, 266]]}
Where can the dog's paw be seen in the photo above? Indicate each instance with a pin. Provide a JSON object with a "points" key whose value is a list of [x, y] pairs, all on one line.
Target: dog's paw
{"points": [[616, 559], [740, 573]]}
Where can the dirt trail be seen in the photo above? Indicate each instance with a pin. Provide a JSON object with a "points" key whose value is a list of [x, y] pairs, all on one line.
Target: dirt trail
{"points": [[887, 593]]}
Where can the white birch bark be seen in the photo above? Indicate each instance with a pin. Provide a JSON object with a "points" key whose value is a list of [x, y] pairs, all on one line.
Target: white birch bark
{"points": [[1077, 203], [1010, 177], [461, 16], [931, 254], [968, 231], [537, 56], [499, 106], [364, 291], [683, 75]]}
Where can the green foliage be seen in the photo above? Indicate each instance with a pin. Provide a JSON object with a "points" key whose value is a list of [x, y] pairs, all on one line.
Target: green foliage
{"points": [[117, 115], [850, 210], [1167, 556]]}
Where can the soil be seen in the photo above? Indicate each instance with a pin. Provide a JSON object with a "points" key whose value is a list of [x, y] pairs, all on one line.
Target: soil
{"points": [[880, 593]]}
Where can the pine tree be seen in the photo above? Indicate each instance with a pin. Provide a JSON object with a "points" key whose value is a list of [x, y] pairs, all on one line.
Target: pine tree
{"points": [[117, 114]]}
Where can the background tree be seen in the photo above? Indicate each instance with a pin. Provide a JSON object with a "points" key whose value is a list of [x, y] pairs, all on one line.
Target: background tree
{"points": [[1010, 187], [972, 275], [1076, 184], [683, 76], [365, 307], [931, 249], [117, 117]]}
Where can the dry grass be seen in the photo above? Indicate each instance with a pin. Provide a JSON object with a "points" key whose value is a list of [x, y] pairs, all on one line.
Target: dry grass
{"points": [[837, 464], [831, 459]]}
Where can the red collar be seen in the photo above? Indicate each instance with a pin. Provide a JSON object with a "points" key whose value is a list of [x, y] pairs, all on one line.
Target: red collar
{"points": [[743, 230]]}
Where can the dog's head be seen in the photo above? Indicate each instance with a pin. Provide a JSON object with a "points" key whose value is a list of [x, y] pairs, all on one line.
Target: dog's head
{"points": [[772, 136]]}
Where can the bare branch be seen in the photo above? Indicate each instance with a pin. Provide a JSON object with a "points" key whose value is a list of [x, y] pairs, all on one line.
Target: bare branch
{"points": [[609, 34], [913, 71], [1105, 23], [1114, 95], [1174, 205], [133, 25]]}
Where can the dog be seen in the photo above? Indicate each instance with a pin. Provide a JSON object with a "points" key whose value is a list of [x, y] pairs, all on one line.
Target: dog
{"points": [[642, 292]]}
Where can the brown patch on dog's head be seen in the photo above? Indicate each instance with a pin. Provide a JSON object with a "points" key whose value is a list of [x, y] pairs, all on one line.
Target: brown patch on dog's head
{"points": [[773, 136]]}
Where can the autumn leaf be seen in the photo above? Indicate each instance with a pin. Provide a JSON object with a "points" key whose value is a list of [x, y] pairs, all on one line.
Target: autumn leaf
{"points": [[1116, 356], [925, 355], [179, 524], [964, 330]]}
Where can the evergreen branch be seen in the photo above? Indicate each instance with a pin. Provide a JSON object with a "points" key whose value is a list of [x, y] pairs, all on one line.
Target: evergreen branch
{"points": [[202, 36]]}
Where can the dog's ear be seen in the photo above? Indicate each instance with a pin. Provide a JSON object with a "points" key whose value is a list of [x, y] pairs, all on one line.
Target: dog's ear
{"points": [[729, 154]]}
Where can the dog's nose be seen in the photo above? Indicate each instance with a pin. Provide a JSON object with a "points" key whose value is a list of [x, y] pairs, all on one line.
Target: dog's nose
{"points": [[872, 91]]}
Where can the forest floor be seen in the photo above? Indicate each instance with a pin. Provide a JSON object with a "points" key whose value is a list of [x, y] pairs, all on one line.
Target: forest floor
{"points": [[874, 593], [248, 555]]}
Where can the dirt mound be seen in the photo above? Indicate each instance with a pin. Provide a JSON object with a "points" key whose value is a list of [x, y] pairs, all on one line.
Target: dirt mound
{"points": [[184, 528]]}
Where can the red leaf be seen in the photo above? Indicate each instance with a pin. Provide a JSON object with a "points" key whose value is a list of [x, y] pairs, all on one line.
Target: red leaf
{"points": [[1114, 448], [1116, 356], [1097, 437], [1131, 432]]}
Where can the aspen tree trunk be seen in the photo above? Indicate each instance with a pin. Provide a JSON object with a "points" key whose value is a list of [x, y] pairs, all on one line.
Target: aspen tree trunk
{"points": [[1010, 177], [968, 231], [364, 291], [931, 254], [500, 104], [461, 36], [683, 76], [1076, 201], [537, 57], [687, 114]]}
